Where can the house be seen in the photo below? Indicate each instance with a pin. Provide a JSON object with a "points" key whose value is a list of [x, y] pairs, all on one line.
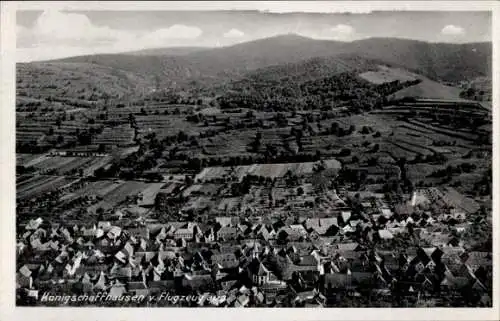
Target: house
{"points": [[122, 273], [114, 232], [225, 260], [420, 261], [322, 226], [343, 247], [454, 284], [299, 229], [183, 233], [403, 209], [138, 288], [227, 220], [309, 260], [270, 289], [34, 224], [201, 282], [117, 290], [24, 278], [385, 234], [345, 215], [186, 231], [304, 296], [285, 233], [101, 282], [389, 261], [460, 270], [258, 273], [476, 259], [161, 286], [139, 232], [242, 300], [227, 233], [337, 282]]}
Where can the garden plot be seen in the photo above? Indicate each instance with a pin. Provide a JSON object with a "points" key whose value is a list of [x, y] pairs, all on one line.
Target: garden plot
{"points": [[167, 125], [39, 185], [210, 173], [118, 135], [280, 170], [149, 194], [230, 143], [396, 152], [30, 160]]}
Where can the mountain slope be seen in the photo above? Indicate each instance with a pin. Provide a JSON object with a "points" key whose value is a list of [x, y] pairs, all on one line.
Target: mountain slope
{"points": [[317, 83], [428, 89], [439, 61], [76, 83], [169, 51], [198, 70]]}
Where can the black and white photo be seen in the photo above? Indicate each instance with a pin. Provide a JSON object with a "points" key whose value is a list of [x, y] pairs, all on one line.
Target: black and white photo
{"points": [[254, 158]]}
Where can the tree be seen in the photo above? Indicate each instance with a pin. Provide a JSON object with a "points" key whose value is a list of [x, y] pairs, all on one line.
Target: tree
{"points": [[250, 114], [345, 152], [334, 127], [101, 148], [84, 138], [181, 136]]}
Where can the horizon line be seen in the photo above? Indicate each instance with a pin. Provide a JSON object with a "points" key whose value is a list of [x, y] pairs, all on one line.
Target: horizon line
{"points": [[202, 48]]}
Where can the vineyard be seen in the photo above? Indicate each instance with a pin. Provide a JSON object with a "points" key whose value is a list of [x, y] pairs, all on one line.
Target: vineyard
{"points": [[122, 135], [39, 185]]}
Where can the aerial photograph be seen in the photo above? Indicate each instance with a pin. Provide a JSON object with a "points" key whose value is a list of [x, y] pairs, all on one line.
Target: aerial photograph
{"points": [[253, 158]]}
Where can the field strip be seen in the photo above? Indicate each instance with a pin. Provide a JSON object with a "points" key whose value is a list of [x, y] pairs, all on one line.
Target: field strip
{"points": [[442, 131]]}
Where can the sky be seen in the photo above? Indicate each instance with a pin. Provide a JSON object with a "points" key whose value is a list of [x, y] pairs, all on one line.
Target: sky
{"points": [[57, 33]]}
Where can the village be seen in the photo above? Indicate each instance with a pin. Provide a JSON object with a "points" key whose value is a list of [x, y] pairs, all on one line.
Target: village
{"points": [[277, 171], [275, 235]]}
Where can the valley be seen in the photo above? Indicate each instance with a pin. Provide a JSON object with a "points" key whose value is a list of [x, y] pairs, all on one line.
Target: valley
{"points": [[326, 162]]}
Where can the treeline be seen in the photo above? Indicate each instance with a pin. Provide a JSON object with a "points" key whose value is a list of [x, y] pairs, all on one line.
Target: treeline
{"points": [[450, 170], [475, 94], [344, 89]]}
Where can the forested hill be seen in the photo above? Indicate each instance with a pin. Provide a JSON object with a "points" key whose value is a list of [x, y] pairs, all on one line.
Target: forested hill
{"points": [[201, 72], [438, 61]]}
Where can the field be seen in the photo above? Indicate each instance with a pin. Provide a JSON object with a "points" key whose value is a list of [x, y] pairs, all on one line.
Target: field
{"points": [[264, 170], [119, 135], [148, 194], [428, 89], [228, 143], [76, 83], [40, 184], [110, 193], [386, 74], [28, 132], [210, 160], [168, 125], [64, 165]]}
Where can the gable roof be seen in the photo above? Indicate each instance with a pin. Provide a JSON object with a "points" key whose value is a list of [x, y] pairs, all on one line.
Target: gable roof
{"points": [[321, 224]]}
